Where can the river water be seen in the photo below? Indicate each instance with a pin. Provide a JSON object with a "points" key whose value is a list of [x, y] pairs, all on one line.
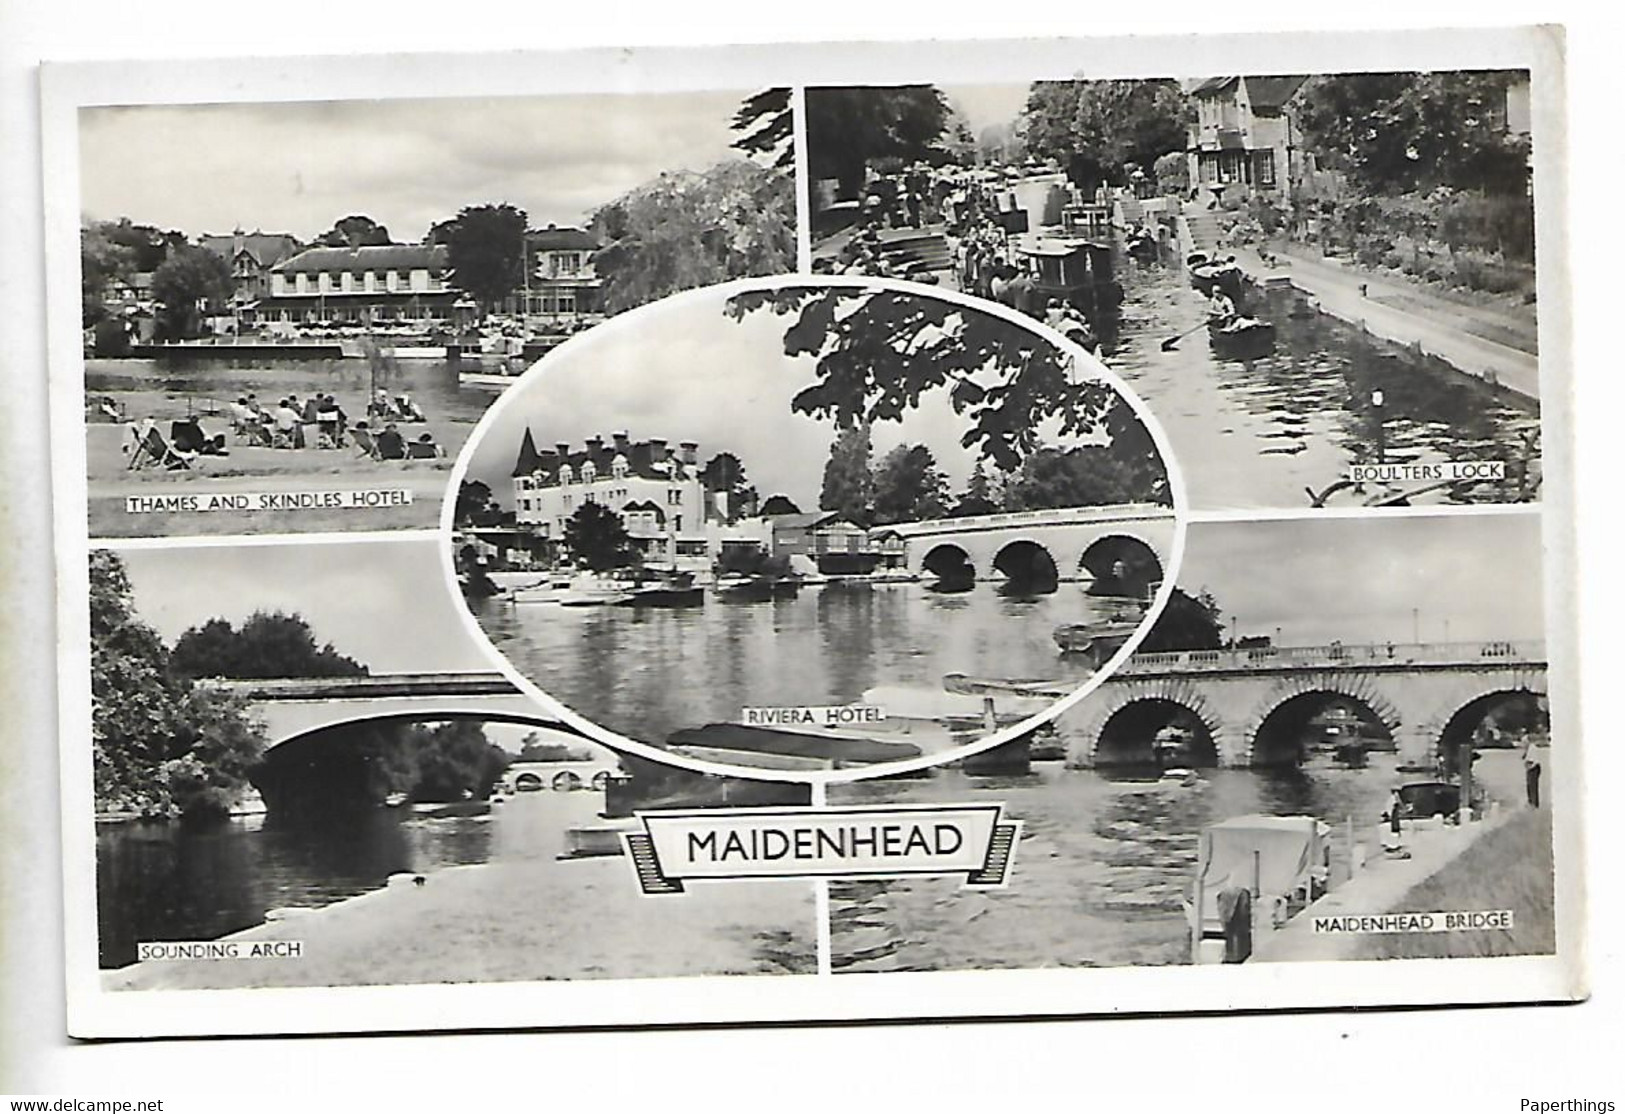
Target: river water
{"points": [[647, 672], [167, 386], [1254, 433], [1098, 872]]}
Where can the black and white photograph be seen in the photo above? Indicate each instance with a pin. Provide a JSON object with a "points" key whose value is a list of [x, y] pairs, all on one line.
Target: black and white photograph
{"points": [[1323, 284], [791, 526], [289, 792], [294, 313], [1325, 730]]}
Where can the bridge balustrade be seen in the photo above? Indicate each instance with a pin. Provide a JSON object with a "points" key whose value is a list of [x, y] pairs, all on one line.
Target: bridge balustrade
{"points": [[1336, 654]]}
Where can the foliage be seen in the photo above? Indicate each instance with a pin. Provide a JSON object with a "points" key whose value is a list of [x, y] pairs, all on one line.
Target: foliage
{"points": [[879, 352], [452, 758], [1089, 475], [532, 749], [767, 121], [269, 644], [111, 339], [1398, 132], [355, 231], [160, 746], [909, 487], [485, 248], [1173, 173], [476, 504], [596, 537], [189, 278], [849, 483], [685, 230], [851, 127], [1103, 126], [982, 495], [1187, 623]]}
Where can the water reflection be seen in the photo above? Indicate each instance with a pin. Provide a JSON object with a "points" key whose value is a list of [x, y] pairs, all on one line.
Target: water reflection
{"points": [[1256, 432], [649, 672]]}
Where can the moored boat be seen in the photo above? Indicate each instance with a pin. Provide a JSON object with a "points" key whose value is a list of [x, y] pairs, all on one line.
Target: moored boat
{"points": [[1253, 872], [593, 591]]}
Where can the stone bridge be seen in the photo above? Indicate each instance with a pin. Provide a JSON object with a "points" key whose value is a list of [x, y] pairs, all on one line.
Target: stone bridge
{"points": [[1428, 697], [1083, 543]]}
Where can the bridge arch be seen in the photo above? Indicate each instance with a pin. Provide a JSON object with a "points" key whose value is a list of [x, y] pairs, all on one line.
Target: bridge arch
{"points": [[427, 715], [1121, 563], [1460, 709], [1164, 694], [1289, 704], [951, 563], [1027, 565]]}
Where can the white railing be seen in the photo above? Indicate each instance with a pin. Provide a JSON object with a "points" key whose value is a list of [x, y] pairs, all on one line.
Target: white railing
{"points": [[1339, 655], [1067, 516]]}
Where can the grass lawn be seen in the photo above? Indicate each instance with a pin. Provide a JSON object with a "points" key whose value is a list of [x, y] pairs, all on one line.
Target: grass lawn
{"points": [[1509, 868]]}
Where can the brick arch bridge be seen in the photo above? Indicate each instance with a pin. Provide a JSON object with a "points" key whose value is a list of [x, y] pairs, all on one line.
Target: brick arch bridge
{"points": [[1066, 535]]}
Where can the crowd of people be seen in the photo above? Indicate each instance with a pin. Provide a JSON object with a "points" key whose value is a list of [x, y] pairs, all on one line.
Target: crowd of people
{"points": [[321, 422]]}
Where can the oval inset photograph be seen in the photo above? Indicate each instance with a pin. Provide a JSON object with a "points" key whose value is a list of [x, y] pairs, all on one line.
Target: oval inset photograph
{"points": [[818, 529]]}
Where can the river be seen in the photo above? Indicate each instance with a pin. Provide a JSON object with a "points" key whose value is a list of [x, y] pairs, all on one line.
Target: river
{"points": [[1098, 872], [647, 672], [1254, 433]]}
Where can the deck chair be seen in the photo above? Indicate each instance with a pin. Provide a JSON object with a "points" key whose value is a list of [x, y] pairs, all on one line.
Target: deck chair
{"points": [[160, 452], [187, 436], [364, 441], [135, 448], [422, 450]]}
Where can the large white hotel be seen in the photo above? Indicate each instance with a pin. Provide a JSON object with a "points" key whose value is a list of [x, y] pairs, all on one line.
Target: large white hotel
{"points": [[654, 487]]}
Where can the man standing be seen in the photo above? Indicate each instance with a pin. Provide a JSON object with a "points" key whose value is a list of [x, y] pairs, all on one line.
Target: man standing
{"points": [[1531, 771]]}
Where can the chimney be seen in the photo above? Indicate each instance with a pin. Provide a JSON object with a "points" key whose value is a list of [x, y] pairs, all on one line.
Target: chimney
{"points": [[594, 444], [657, 450], [564, 449], [691, 450], [622, 439]]}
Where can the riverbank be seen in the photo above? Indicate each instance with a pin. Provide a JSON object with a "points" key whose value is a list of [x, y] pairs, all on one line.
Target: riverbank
{"points": [[1499, 862], [1479, 341], [530, 919]]}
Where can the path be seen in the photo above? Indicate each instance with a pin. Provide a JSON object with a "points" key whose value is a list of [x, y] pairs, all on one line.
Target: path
{"points": [[1478, 341]]}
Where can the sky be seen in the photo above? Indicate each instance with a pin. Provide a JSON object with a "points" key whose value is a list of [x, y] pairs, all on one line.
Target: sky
{"points": [[387, 604], [1467, 577], [985, 105], [691, 373], [298, 167]]}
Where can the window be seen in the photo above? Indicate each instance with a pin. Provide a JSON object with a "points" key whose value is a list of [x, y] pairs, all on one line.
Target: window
{"points": [[1264, 166], [674, 497]]}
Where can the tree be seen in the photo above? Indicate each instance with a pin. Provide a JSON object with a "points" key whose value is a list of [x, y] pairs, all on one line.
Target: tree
{"points": [[453, 758], [102, 260], [486, 252], [725, 474], [777, 505], [1399, 132], [1086, 476], [849, 482], [269, 644], [355, 231], [1095, 128], [878, 352], [1186, 623], [160, 745], [1172, 173], [980, 495], [597, 538], [909, 487], [851, 127], [190, 278], [767, 120], [473, 502], [681, 231]]}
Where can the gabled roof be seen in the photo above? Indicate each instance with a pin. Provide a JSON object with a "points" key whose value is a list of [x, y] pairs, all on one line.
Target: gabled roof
{"points": [[642, 460], [554, 238], [804, 520], [1264, 94], [266, 248], [384, 257]]}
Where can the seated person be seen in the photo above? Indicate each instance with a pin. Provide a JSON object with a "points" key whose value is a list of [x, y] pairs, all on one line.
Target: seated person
{"points": [[409, 410], [1220, 309], [391, 445], [286, 420], [312, 406], [381, 407], [423, 448]]}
